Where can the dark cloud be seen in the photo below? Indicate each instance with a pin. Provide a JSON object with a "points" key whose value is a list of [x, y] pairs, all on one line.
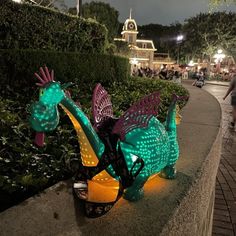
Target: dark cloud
{"points": [[159, 11]]}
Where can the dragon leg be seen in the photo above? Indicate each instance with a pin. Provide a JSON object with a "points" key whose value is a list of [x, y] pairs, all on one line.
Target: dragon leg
{"points": [[168, 172], [135, 192]]}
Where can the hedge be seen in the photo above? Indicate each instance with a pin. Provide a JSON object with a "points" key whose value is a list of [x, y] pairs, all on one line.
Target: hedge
{"points": [[18, 67], [24, 26]]}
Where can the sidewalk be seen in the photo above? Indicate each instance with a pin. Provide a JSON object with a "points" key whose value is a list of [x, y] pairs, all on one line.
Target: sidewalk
{"points": [[225, 199], [215, 82]]}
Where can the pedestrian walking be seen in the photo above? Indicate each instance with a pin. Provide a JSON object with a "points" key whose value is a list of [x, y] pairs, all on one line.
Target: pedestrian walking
{"points": [[232, 90]]}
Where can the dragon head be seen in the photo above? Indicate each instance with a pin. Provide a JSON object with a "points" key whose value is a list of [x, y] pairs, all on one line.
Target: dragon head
{"points": [[44, 113]]}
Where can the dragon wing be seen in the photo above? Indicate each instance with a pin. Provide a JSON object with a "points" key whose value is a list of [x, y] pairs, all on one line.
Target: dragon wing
{"points": [[101, 105], [138, 115]]}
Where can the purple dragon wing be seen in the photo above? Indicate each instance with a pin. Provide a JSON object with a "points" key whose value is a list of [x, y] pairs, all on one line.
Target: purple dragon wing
{"points": [[101, 105], [138, 115]]}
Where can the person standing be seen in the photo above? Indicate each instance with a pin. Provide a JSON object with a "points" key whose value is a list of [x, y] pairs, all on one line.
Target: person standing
{"points": [[232, 90]]}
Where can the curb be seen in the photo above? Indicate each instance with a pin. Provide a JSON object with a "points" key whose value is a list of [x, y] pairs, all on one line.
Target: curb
{"points": [[217, 83]]}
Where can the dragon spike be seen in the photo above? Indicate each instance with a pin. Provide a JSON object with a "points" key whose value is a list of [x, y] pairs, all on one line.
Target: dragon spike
{"points": [[44, 76], [176, 98]]}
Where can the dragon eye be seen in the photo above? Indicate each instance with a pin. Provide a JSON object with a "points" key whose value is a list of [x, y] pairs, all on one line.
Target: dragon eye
{"points": [[41, 92]]}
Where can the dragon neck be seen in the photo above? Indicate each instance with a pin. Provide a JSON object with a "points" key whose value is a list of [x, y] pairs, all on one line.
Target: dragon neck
{"points": [[171, 118], [86, 134]]}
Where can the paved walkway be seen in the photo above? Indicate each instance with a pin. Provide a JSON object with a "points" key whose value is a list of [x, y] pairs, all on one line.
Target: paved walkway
{"points": [[225, 201], [215, 82]]}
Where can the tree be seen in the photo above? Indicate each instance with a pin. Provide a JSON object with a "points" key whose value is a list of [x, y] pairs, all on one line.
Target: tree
{"points": [[164, 37], [45, 3], [72, 10], [122, 48], [205, 33], [214, 4], [218, 2], [56, 4], [104, 14]]}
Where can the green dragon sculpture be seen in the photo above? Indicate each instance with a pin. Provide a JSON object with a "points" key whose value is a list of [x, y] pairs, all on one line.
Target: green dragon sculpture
{"points": [[118, 155]]}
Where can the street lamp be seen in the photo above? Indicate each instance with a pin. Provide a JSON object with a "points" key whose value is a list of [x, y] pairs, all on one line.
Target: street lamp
{"points": [[191, 63], [18, 1], [219, 56], [179, 39]]}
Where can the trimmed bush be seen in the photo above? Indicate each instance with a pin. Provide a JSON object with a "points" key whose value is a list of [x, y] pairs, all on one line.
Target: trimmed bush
{"points": [[122, 48], [24, 26], [18, 68], [125, 94]]}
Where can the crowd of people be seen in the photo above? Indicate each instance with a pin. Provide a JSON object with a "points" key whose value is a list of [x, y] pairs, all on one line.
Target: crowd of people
{"points": [[164, 73], [199, 77], [167, 73]]}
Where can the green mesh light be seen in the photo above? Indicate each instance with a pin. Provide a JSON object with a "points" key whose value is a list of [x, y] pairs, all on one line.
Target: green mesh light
{"points": [[144, 138]]}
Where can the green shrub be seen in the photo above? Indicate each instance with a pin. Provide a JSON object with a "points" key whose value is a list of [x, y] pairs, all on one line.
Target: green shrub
{"points": [[24, 26], [125, 94], [25, 168], [122, 48], [18, 68]]}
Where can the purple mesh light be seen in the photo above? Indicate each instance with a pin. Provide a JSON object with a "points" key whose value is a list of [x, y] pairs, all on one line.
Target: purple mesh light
{"points": [[138, 115], [101, 105], [45, 77]]}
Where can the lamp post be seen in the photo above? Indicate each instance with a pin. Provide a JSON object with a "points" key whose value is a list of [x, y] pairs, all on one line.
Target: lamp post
{"points": [[79, 8], [219, 56], [179, 39]]}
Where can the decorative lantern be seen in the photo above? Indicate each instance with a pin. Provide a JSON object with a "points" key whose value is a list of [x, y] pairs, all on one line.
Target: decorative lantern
{"points": [[118, 154]]}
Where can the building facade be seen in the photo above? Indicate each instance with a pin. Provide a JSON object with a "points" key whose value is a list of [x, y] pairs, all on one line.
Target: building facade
{"points": [[142, 52]]}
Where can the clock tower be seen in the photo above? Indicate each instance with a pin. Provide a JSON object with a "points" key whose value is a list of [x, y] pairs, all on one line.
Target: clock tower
{"points": [[130, 30], [141, 50]]}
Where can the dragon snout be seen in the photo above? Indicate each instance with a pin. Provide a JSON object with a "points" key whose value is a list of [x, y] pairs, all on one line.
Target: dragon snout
{"points": [[43, 118]]}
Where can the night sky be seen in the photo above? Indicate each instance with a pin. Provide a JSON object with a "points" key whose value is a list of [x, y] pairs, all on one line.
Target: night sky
{"points": [[158, 11]]}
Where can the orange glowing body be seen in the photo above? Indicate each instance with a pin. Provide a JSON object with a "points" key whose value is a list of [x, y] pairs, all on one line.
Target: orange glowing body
{"points": [[103, 187]]}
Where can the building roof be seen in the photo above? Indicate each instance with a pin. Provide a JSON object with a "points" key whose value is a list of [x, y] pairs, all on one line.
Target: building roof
{"points": [[145, 44], [130, 25]]}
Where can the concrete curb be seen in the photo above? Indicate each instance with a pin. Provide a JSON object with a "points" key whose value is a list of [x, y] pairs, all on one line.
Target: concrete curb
{"points": [[217, 83]]}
